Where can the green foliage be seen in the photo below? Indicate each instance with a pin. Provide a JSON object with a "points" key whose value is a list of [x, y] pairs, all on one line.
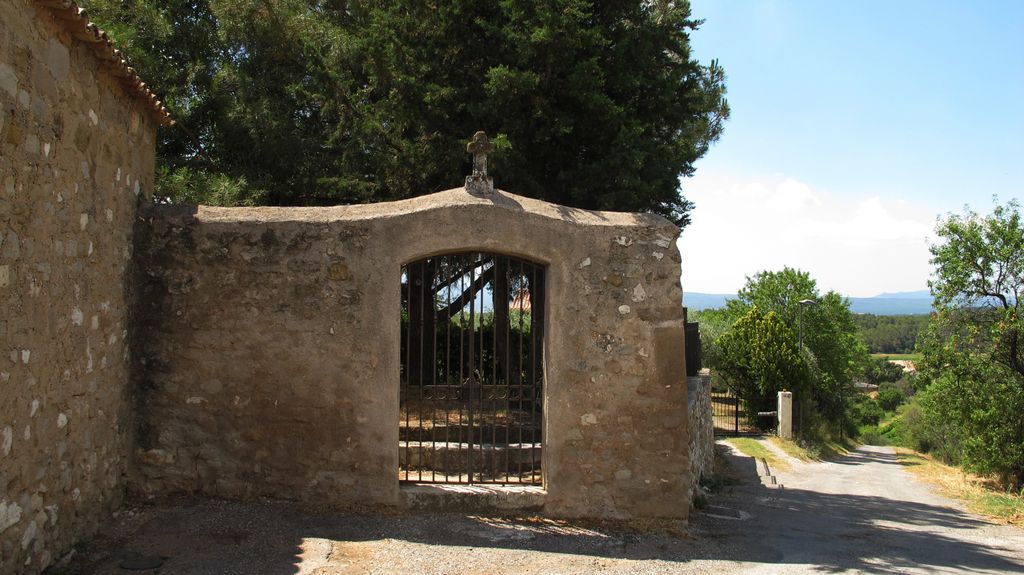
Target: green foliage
{"points": [[973, 410], [878, 370], [713, 324], [892, 334], [865, 411], [591, 104], [833, 351], [449, 347], [871, 435], [973, 369], [827, 326], [890, 397], [212, 189], [759, 357]]}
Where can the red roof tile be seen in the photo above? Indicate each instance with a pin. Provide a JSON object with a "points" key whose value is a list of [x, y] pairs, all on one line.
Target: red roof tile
{"points": [[75, 21]]}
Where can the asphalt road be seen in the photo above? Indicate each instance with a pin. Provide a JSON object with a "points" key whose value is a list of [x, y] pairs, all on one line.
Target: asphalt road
{"points": [[861, 513]]}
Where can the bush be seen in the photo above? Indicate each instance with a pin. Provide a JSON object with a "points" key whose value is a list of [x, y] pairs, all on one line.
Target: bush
{"points": [[871, 435], [916, 426], [975, 420], [890, 397], [865, 411], [878, 370], [907, 384]]}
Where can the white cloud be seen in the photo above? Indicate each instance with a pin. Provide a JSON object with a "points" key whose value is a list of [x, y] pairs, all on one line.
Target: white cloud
{"points": [[858, 246]]}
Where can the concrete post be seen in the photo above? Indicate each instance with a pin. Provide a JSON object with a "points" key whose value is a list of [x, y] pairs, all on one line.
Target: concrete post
{"points": [[785, 408]]}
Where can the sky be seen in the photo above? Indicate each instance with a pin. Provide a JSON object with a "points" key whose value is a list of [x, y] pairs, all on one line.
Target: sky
{"points": [[854, 126]]}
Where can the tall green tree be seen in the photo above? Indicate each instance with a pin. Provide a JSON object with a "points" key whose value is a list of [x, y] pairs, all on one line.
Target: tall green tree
{"points": [[973, 357], [832, 348], [758, 357], [595, 105], [828, 328]]}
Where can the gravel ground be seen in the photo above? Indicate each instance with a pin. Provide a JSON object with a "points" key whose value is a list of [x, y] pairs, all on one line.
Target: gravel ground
{"points": [[861, 513]]}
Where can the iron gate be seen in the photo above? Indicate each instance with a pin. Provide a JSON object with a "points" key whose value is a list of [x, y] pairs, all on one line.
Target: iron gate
{"points": [[729, 413], [471, 370]]}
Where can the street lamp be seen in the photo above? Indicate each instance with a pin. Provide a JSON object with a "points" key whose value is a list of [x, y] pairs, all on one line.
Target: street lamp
{"points": [[804, 303], [799, 411]]}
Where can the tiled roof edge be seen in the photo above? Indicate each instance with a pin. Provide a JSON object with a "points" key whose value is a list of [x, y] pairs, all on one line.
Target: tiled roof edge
{"points": [[75, 20]]}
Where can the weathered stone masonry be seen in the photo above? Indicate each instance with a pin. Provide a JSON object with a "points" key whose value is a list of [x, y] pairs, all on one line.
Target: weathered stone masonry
{"points": [[701, 426], [76, 155], [272, 341], [244, 352]]}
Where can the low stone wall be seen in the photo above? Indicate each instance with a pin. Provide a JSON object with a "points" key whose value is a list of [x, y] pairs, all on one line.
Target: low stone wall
{"points": [[272, 349], [76, 155], [702, 426]]}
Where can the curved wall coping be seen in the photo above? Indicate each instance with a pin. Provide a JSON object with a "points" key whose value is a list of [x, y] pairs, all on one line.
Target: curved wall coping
{"points": [[453, 198]]}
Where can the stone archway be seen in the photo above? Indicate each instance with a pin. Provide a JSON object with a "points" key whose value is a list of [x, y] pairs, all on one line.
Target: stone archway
{"points": [[264, 329]]}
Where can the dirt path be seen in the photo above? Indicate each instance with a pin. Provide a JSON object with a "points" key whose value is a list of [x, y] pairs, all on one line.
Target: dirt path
{"points": [[859, 513]]}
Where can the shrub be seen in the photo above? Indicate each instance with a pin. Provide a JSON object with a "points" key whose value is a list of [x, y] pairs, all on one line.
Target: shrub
{"points": [[890, 397], [878, 370], [865, 411], [871, 435]]}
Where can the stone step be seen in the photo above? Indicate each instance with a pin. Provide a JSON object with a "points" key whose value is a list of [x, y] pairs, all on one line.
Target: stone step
{"points": [[448, 497], [487, 458]]}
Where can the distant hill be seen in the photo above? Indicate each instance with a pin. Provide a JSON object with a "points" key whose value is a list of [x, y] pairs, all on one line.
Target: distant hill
{"points": [[899, 303], [891, 305], [698, 301], [919, 294]]}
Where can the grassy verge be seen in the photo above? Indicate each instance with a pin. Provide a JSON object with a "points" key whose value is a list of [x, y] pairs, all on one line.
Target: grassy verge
{"points": [[831, 449], [977, 493], [791, 448], [816, 452], [910, 356], [753, 448]]}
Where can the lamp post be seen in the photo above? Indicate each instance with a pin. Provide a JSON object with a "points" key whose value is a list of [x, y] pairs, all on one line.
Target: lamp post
{"points": [[800, 412], [804, 303]]}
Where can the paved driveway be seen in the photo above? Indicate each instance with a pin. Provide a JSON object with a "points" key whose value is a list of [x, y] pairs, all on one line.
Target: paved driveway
{"points": [[861, 513]]}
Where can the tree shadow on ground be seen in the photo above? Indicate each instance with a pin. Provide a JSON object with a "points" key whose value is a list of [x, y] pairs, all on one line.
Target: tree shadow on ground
{"points": [[829, 533]]}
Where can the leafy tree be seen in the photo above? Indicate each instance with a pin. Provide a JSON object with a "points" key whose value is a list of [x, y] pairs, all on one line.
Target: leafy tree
{"points": [[891, 333], [758, 357], [829, 333], [713, 324], [878, 371], [973, 357], [592, 104], [890, 397], [979, 279], [865, 411]]}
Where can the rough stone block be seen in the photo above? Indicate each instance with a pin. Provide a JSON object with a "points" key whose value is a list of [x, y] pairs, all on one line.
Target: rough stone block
{"points": [[58, 60], [8, 80]]}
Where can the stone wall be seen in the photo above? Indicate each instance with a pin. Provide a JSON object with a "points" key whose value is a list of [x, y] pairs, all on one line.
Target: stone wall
{"points": [[701, 426], [272, 349], [76, 153]]}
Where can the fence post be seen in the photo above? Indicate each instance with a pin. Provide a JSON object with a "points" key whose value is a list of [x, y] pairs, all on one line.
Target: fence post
{"points": [[736, 415], [785, 414]]}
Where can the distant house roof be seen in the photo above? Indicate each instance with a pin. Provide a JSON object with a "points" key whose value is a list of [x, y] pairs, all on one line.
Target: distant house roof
{"points": [[521, 300], [75, 21], [908, 365]]}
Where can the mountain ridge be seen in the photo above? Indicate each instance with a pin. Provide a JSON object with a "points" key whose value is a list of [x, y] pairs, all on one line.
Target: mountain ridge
{"points": [[888, 303]]}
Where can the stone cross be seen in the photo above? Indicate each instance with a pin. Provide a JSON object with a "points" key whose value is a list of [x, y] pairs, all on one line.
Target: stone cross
{"points": [[479, 146], [479, 181]]}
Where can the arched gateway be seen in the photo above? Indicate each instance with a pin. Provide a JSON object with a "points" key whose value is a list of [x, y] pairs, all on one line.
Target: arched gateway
{"points": [[278, 361], [472, 377]]}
